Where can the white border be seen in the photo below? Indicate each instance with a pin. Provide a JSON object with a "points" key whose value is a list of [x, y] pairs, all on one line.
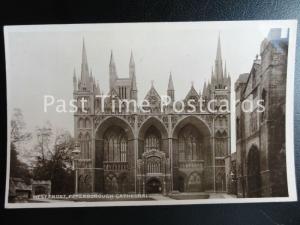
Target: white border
{"points": [[292, 24]]}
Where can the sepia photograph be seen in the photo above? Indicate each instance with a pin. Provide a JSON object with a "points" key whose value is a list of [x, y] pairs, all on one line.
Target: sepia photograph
{"points": [[150, 113]]}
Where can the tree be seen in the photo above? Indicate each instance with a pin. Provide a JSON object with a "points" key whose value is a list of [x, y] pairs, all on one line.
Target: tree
{"points": [[54, 162], [17, 168], [18, 136], [17, 124]]}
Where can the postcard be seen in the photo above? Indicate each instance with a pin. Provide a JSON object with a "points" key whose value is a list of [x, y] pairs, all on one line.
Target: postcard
{"points": [[150, 113]]}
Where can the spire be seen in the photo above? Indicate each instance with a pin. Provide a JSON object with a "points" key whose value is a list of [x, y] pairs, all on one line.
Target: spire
{"points": [[213, 77], [131, 66], [171, 91], [91, 83], [74, 80], [131, 62], [74, 74], [218, 65], [112, 71], [219, 53], [112, 61], [133, 83], [225, 71], [133, 91], [170, 84], [204, 89], [84, 64]]}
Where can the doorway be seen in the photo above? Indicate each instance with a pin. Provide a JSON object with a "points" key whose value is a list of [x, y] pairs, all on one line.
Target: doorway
{"points": [[153, 186]]}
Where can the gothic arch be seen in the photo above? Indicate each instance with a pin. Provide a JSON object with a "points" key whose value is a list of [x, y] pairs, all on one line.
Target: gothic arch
{"points": [[194, 182], [195, 121], [192, 148], [253, 172], [111, 184], [122, 157], [153, 135], [87, 123], [155, 122], [114, 121]]}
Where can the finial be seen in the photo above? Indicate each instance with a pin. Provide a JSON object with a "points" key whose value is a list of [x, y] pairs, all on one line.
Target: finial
{"points": [[152, 83]]}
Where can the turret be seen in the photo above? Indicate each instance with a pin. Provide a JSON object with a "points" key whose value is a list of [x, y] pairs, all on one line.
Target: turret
{"points": [[131, 66], [171, 91], [74, 81], [133, 91]]}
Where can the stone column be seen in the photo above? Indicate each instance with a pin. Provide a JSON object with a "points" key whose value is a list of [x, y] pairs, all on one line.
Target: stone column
{"points": [[170, 151]]}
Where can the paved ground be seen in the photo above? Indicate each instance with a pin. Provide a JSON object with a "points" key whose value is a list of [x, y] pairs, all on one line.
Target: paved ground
{"points": [[211, 196], [221, 195]]}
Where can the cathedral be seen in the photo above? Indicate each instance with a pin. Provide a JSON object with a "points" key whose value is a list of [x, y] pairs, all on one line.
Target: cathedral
{"points": [[150, 152]]}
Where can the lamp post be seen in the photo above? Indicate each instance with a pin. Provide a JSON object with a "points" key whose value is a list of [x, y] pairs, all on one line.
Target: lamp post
{"points": [[75, 155]]}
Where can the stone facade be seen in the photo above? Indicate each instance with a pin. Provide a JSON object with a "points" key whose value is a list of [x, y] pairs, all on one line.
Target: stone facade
{"points": [[261, 163], [152, 152]]}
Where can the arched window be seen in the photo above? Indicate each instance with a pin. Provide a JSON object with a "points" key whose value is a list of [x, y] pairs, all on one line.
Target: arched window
{"points": [[181, 148], [221, 143], [81, 143], [87, 123], [123, 149], [151, 143], [189, 144], [81, 123], [87, 146], [115, 145], [153, 164]]}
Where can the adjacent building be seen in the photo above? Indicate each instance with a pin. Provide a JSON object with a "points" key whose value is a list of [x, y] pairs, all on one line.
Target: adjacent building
{"points": [[260, 145]]}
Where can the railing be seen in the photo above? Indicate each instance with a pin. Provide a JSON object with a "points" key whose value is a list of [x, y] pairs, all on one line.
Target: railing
{"points": [[190, 164], [115, 166]]}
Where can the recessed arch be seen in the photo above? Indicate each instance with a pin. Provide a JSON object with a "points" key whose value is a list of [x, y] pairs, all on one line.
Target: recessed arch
{"points": [[155, 122], [192, 149], [194, 182], [253, 172], [114, 121], [201, 126]]}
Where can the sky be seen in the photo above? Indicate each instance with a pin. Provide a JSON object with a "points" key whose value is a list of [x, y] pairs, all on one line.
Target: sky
{"points": [[41, 59]]}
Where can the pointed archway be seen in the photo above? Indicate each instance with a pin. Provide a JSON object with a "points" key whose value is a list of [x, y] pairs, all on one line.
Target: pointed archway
{"points": [[192, 155], [253, 173], [114, 152]]}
